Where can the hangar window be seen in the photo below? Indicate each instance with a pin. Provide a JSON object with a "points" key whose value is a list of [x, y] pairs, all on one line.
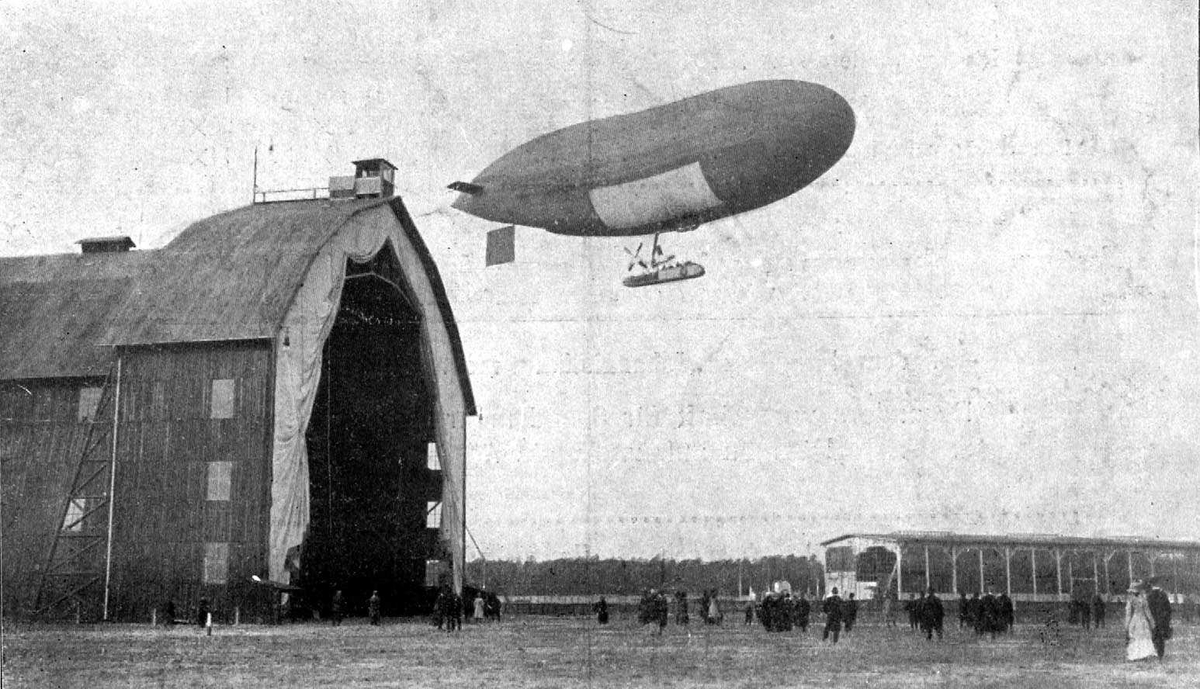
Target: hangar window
{"points": [[433, 515], [89, 404], [219, 479], [216, 563], [436, 573], [431, 457], [840, 559], [74, 519], [222, 399]]}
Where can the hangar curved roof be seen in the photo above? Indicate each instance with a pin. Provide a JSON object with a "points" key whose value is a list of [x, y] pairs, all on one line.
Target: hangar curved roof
{"points": [[228, 277]]}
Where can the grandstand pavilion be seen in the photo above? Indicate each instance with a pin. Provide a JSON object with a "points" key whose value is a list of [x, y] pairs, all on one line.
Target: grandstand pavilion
{"points": [[1029, 567]]}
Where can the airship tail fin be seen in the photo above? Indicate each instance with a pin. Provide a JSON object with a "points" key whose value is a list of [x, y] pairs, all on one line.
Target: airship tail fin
{"points": [[466, 188]]}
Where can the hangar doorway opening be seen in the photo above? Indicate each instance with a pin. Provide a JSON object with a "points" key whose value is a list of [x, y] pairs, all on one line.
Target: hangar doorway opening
{"points": [[368, 438]]}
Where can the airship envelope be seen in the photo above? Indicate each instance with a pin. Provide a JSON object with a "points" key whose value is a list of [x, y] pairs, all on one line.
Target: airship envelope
{"points": [[670, 167]]}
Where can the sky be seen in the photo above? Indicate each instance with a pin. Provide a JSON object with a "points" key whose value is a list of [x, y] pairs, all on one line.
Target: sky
{"points": [[983, 319]]}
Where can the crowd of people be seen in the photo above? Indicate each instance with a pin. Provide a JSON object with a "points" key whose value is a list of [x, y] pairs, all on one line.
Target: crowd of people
{"points": [[990, 614], [450, 608], [1147, 613]]}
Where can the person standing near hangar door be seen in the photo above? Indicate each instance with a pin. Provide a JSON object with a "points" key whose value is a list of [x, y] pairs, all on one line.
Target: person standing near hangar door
{"points": [[832, 607]]}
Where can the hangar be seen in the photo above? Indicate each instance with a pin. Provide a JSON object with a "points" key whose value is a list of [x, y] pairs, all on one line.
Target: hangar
{"points": [[1029, 567], [278, 392]]}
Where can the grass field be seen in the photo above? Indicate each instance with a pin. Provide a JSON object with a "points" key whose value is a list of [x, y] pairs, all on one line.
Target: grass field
{"points": [[561, 652]]}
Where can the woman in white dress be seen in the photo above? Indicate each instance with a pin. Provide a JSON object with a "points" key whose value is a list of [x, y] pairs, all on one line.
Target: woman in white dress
{"points": [[1139, 643]]}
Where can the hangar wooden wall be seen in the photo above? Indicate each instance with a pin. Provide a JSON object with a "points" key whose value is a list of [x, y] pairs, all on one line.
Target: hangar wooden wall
{"points": [[193, 477], [41, 436]]}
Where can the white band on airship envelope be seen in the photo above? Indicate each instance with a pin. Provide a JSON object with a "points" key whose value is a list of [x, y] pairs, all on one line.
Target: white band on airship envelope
{"points": [[674, 193]]}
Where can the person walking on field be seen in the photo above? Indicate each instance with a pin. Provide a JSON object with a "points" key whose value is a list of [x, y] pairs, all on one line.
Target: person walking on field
{"points": [[832, 607], [889, 609], [681, 608], [661, 611], [913, 607], [202, 611], [1139, 625], [1098, 611], [850, 612], [337, 607], [374, 603], [1007, 612], [601, 610], [478, 609], [1160, 611], [803, 609], [932, 615]]}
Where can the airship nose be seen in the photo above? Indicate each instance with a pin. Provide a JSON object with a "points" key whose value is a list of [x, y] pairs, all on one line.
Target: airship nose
{"points": [[828, 128]]}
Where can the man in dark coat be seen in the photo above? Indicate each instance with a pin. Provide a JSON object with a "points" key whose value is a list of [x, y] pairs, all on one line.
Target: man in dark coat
{"points": [[850, 612], [661, 611], [645, 610], [783, 616], [374, 608], [202, 611], [456, 611], [803, 609], [832, 607], [337, 608], [1098, 610], [989, 615], [681, 608], [913, 607], [975, 613], [601, 610], [1160, 610], [441, 607], [932, 615], [491, 607], [1006, 613], [964, 611], [768, 611]]}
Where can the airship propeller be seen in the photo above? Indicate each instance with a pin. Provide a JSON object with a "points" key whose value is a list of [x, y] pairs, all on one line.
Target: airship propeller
{"points": [[634, 259]]}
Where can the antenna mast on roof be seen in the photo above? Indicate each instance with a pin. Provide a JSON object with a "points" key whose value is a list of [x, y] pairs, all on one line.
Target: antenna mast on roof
{"points": [[254, 191]]}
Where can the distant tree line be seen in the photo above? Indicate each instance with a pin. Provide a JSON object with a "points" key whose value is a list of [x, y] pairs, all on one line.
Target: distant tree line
{"points": [[588, 576]]}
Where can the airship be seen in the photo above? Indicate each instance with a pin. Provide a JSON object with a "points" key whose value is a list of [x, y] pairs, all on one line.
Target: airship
{"points": [[670, 168]]}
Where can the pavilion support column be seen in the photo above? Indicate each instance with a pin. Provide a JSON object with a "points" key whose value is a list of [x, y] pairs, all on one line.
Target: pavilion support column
{"points": [[982, 586], [1095, 574], [1107, 577], [954, 569], [1129, 561], [899, 570], [1058, 570], [1008, 570], [1033, 569], [927, 580]]}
